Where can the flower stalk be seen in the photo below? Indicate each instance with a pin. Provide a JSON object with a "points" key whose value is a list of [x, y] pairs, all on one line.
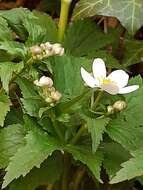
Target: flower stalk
{"points": [[65, 5]]}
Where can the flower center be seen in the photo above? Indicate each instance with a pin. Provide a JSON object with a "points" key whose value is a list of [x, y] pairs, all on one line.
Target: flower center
{"points": [[106, 81]]}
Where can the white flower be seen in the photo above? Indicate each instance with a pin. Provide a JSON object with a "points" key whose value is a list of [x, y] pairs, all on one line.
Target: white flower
{"points": [[114, 83], [44, 81]]}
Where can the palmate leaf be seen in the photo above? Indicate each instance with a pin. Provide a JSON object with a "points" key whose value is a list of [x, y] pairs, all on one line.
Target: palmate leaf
{"points": [[84, 154], [66, 74], [6, 71], [38, 147], [85, 32], [129, 12], [11, 138], [4, 107], [97, 128], [49, 172], [40, 29], [31, 100], [130, 169]]}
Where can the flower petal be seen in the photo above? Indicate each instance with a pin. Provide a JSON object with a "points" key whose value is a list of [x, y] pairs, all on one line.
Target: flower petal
{"points": [[99, 69], [111, 88], [120, 77], [128, 89], [88, 79]]}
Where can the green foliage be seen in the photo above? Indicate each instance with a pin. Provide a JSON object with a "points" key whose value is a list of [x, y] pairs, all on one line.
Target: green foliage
{"points": [[9, 68], [37, 148], [85, 155], [97, 128], [11, 138], [127, 11], [49, 172], [4, 107], [5, 32], [31, 100], [130, 169], [66, 74]]}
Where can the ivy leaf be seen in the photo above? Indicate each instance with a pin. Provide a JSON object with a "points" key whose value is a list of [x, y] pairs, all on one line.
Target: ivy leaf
{"points": [[31, 100], [85, 155], [6, 71], [114, 155], [67, 78], [78, 45], [40, 29], [11, 138], [4, 107], [49, 172], [38, 147], [125, 134], [130, 169], [97, 128], [127, 11]]}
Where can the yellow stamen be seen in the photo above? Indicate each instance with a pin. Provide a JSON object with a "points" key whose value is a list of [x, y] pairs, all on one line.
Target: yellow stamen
{"points": [[106, 81]]}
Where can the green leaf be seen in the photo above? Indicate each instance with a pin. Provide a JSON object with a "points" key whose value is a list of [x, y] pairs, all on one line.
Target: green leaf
{"points": [[6, 71], [5, 32], [129, 12], [85, 37], [49, 172], [125, 134], [130, 169], [97, 128], [4, 107], [114, 155], [38, 147], [85, 155], [40, 29], [11, 138], [133, 52], [31, 100], [67, 77]]}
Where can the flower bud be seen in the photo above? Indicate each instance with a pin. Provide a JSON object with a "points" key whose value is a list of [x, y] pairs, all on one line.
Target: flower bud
{"points": [[119, 105], [44, 81], [110, 109], [56, 96], [36, 50], [57, 49], [49, 100]]}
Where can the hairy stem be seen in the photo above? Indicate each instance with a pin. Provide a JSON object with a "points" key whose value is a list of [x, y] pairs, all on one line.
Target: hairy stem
{"points": [[100, 94], [79, 175], [65, 5], [50, 187], [78, 135]]}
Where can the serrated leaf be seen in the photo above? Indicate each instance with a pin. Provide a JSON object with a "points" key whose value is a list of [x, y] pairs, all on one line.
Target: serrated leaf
{"points": [[133, 52], [85, 32], [130, 169], [114, 155], [38, 147], [5, 32], [67, 78], [125, 134], [6, 71], [85, 155], [4, 107], [11, 138], [49, 172], [40, 29], [97, 128], [127, 11], [31, 100]]}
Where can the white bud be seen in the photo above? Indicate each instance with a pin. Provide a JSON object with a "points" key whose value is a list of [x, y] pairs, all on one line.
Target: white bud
{"points": [[57, 49], [119, 105], [49, 100], [44, 81], [110, 109], [56, 96], [36, 50]]}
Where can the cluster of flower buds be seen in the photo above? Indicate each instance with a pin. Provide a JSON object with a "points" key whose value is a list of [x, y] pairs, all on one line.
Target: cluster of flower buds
{"points": [[50, 94], [117, 107], [45, 50]]}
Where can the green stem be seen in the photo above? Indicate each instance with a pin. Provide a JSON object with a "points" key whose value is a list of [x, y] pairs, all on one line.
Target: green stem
{"points": [[78, 135], [97, 99], [57, 130], [65, 5], [67, 165], [79, 175], [50, 187]]}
